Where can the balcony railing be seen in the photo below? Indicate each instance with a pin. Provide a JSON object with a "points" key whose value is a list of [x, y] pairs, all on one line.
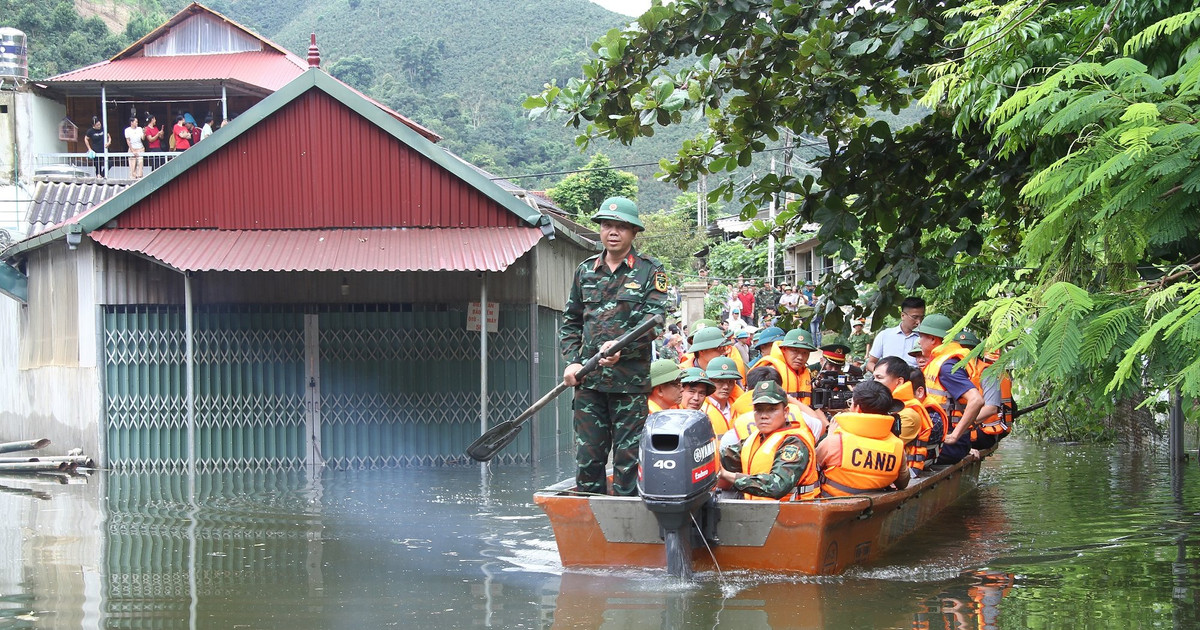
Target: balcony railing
{"points": [[80, 166]]}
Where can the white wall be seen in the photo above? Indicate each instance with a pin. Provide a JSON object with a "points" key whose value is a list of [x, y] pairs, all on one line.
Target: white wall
{"points": [[30, 127], [60, 402]]}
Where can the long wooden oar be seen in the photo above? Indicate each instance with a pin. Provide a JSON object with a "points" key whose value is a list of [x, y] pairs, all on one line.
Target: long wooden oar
{"points": [[1034, 407], [496, 438]]}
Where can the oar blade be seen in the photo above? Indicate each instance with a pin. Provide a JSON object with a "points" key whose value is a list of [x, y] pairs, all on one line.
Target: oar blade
{"points": [[486, 446]]}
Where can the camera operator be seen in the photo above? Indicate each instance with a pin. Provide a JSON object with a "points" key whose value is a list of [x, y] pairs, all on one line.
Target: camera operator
{"points": [[834, 380]]}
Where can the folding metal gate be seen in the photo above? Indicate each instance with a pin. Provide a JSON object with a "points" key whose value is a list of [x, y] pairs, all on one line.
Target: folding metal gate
{"points": [[278, 387]]}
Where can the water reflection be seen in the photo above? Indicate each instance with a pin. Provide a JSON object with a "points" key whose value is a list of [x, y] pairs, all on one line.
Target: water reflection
{"points": [[1055, 535]]}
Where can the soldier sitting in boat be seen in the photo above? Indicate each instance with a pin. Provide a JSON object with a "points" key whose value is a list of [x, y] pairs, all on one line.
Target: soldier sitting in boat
{"points": [[696, 389], [798, 412], [860, 453], [917, 429], [776, 460], [665, 379], [722, 371]]}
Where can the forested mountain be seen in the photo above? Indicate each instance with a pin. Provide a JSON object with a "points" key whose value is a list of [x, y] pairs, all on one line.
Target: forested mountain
{"points": [[461, 68]]}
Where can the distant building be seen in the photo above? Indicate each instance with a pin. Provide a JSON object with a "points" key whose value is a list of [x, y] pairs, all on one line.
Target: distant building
{"points": [[316, 283]]}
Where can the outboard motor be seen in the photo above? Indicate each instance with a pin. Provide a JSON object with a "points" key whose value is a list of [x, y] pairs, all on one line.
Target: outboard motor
{"points": [[677, 474]]}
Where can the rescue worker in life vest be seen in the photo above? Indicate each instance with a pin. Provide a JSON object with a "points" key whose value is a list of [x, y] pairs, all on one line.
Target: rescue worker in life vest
{"points": [[950, 387], [667, 380], [775, 461], [792, 363], [861, 454], [696, 390], [611, 293]]}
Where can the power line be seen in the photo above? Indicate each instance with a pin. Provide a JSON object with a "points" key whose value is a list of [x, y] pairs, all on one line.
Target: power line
{"points": [[639, 164]]}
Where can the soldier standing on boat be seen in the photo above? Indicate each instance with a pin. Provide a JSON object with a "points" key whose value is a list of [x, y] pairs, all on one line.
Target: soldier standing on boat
{"points": [[611, 293]]}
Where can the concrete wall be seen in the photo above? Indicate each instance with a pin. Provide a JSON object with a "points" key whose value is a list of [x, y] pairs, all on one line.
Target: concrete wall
{"points": [[56, 394], [28, 127]]}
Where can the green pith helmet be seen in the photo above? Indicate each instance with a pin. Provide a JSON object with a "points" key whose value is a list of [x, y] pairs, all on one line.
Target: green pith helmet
{"points": [[696, 375], [915, 350], [768, 392], [698, 325], [935, 325], [708, 339], [722, 368], [770, 334], [966, 339], [797, 338], [619, 209], [664, 371]]}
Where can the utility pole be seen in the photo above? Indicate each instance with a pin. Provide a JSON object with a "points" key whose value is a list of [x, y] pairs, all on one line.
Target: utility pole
{"points": [[702, 204], [771, 234], [787, 164]]}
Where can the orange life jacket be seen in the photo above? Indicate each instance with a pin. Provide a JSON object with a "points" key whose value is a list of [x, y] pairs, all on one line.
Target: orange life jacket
{"points": [[655, 408], [743, 423], [797, 385], [999, 423], [935, 394], [916, 451], [871, 456], [758, 457], [721, 423]]}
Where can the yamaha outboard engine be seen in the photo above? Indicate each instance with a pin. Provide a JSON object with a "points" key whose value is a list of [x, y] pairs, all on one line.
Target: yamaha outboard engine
{"points": [[678, 472]]}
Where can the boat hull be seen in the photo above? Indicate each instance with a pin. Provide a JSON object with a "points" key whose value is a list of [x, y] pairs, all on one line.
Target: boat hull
{"points": [[818, 537]]}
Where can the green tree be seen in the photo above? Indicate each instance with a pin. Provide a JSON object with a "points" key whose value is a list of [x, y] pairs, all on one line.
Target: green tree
{"points": [[419, 59], [1062, 143], [673, 239], [355, 70], [580, 194]]}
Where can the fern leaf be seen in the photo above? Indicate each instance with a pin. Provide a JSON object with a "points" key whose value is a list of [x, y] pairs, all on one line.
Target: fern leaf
{"points": [[1060, 350], [1067, 298], [1101, 334], [1159, 29]]}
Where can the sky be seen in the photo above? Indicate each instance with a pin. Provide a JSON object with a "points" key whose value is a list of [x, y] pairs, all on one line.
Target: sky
{"points": [[628, 7]]}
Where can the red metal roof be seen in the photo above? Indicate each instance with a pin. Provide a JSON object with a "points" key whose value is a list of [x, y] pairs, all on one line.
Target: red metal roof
{"points": [[426, 249], [316, 163], [266, 69]]}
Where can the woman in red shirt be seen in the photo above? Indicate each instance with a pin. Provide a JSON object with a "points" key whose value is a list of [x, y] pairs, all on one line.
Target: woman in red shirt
{"points": [[183, 137]]}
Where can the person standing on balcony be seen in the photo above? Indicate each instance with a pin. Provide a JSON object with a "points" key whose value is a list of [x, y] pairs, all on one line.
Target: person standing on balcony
{"points": [[154, 135], [96, 140], [180, 134], [133, 139]]}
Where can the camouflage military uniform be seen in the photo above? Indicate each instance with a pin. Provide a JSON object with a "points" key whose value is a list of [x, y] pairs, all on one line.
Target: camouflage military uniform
{"points": [[610, 403], [766, 298], [790, 461]]}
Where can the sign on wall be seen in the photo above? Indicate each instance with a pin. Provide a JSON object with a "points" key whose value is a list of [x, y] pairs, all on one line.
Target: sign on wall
{"points": [[474, 315]]}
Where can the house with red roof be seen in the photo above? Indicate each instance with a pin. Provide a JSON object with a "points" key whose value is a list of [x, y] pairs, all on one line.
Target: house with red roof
{"points": [[353, 295]]}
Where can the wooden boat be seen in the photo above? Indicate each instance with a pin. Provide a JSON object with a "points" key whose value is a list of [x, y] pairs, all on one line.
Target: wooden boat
{"points": [[818, 537]]}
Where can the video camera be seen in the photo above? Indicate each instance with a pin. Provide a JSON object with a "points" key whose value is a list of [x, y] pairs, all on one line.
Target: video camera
{"points": [[831, 390]]}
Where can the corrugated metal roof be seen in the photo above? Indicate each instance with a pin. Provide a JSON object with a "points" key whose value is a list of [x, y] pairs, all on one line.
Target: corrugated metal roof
{"points": [[265, 69], [381, 249], [342, 171], [55, 201]]}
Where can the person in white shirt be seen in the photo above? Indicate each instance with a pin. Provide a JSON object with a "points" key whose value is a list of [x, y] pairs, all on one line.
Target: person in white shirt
{"points": [[898, 340], [133, 139]]}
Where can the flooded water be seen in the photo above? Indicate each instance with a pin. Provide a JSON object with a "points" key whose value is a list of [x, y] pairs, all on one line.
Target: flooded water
{"points": [[1057, 537]]}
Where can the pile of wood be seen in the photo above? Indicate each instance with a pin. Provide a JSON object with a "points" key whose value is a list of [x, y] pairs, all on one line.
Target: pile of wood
{"points": [[34, 464]]}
